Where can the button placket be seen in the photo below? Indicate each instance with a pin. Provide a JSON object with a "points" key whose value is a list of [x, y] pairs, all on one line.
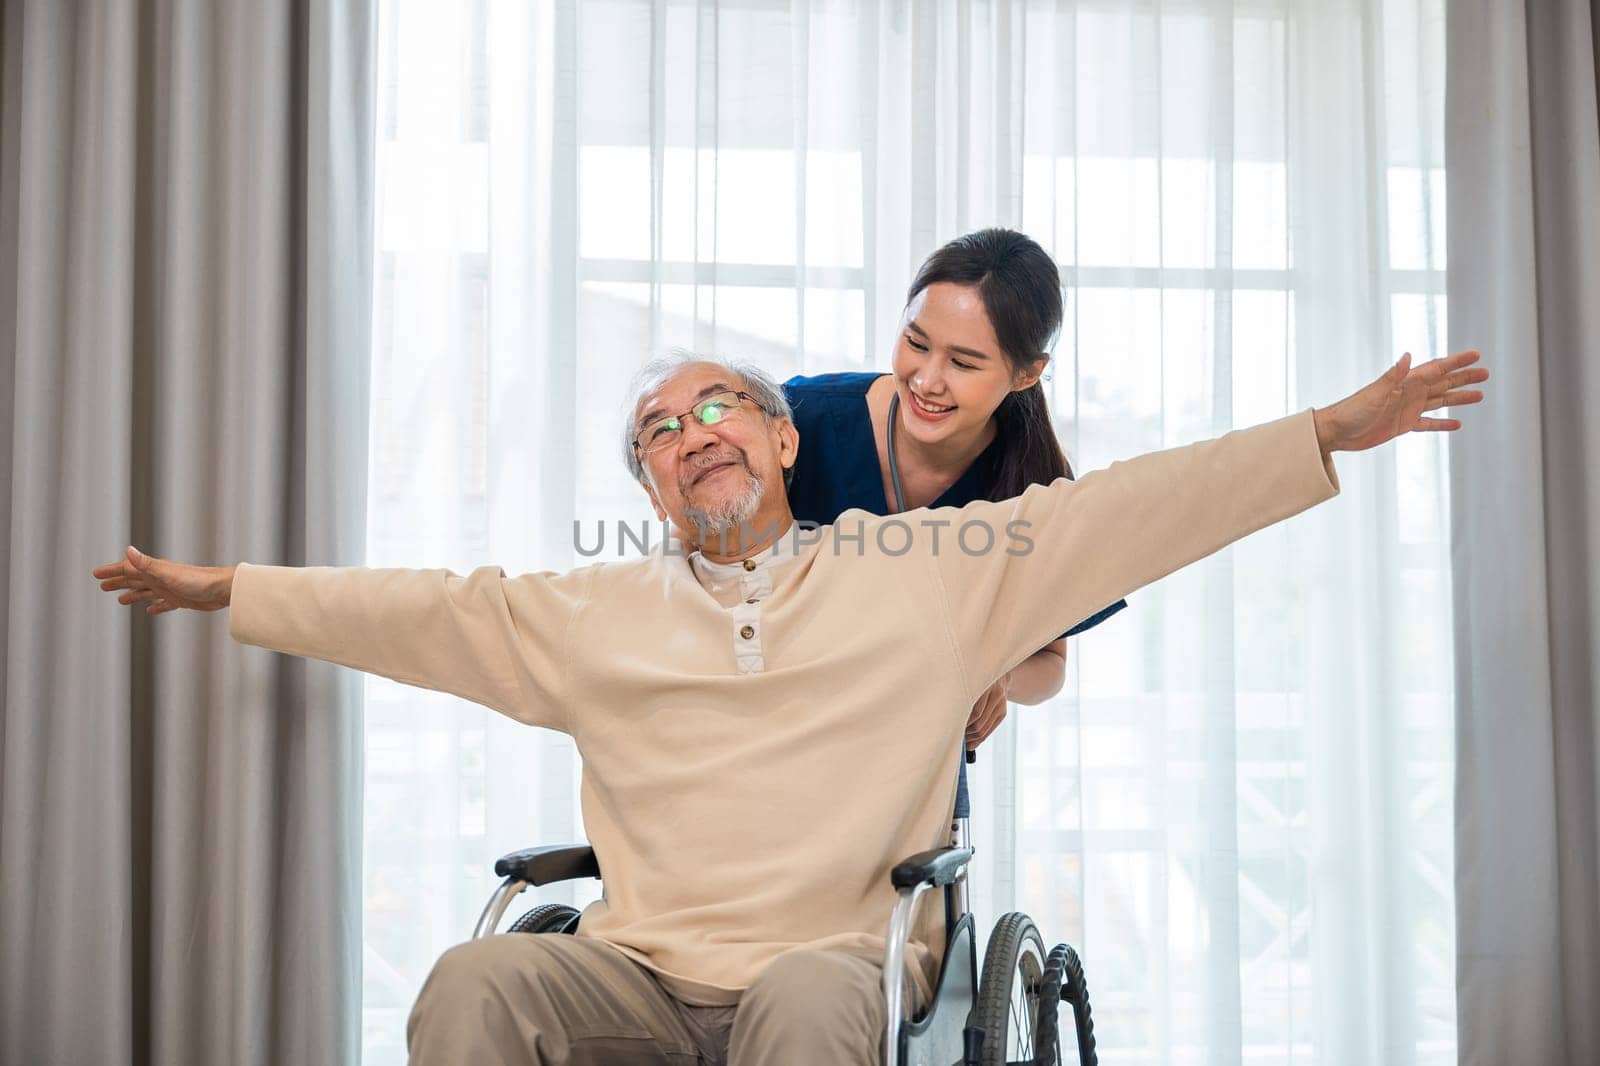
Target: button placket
{"points": [[754, 586]]}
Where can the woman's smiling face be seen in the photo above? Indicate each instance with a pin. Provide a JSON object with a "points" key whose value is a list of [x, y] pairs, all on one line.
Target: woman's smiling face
{"points": [[949, 370]]}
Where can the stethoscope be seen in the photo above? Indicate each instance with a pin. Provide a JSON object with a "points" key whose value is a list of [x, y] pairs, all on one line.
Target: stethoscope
{"points": [[894, 466]]}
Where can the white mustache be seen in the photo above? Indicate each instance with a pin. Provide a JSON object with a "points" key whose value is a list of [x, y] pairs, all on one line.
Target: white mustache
{"points": [[717, 460]]}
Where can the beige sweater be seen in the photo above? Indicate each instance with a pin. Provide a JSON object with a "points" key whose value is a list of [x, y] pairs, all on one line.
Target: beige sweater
{"points": [[739, 812]]}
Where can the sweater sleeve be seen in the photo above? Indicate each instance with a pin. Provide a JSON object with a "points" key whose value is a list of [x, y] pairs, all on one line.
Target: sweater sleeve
{"points": [[1063, 551], [487, 638]]}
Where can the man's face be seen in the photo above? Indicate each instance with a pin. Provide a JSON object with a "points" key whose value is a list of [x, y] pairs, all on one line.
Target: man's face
{"points": [[715, 476]]}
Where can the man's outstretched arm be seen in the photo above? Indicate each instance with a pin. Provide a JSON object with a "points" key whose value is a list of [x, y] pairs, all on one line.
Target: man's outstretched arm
{"points": [[1097, 539], [493, 640]]}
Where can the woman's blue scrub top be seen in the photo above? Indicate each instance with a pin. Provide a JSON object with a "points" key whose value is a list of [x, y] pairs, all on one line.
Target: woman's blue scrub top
{"points": [[837, 467]]}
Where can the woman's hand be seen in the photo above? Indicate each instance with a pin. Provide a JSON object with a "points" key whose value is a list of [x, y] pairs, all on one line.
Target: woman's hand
{"points": [[167, 585], [1034, 680], [1394, 404], [987, 714]]}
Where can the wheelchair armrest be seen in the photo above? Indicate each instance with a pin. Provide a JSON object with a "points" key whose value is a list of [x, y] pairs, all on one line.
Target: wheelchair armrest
{"points": [[941, 866], [547, 865]]}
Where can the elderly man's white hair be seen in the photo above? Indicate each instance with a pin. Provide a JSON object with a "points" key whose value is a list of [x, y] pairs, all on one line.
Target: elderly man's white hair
{"points": [[650, 377]]}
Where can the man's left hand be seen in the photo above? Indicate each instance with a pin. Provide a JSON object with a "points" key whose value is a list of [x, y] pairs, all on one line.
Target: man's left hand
{"points": [[1395, 403]]}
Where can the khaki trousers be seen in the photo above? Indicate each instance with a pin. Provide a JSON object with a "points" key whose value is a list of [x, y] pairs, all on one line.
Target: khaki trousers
{"points": [[556, 1000]]}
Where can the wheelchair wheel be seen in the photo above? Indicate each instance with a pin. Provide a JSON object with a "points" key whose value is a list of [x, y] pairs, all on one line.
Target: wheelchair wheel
{"points": [[547, 918], [1064, 969], [1015, 999]]}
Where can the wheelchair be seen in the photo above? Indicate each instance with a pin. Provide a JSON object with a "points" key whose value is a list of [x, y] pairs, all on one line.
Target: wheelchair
{"points": [[1007, 1015]]}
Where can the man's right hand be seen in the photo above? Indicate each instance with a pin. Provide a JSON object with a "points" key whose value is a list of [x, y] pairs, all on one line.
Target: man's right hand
{"points": [[165, 585]]}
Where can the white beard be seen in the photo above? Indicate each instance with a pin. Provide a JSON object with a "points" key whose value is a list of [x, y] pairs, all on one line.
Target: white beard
{"points": [[730, 512]]}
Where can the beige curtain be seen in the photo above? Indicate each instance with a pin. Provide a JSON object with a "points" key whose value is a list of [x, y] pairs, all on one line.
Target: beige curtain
{"points": [[1524, 231], [184, 307]]}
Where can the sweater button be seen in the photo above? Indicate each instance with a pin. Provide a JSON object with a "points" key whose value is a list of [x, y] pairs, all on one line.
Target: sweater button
{"points": [[749, 564], [747, 632]]}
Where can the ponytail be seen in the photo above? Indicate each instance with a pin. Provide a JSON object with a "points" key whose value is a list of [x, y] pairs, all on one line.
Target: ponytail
{"points": [[1030, 454]]}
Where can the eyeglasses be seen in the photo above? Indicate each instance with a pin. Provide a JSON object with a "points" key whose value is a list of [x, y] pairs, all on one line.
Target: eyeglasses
{"points": [[667, 430]]}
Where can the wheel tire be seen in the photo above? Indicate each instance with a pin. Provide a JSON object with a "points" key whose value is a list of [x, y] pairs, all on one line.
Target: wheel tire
{"points": [[547, 918], [1013, 997], [1075, 990], [1063, 970]]}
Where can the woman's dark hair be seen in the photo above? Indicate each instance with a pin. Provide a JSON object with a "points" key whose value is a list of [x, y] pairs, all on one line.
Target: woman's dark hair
{"points": [[1021, 291]]}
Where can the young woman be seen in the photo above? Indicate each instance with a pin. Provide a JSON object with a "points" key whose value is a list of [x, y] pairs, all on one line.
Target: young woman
{"points": [[962, 416]]}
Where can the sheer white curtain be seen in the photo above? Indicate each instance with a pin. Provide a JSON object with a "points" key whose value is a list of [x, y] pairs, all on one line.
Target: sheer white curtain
{"points": [[1240, 806]]}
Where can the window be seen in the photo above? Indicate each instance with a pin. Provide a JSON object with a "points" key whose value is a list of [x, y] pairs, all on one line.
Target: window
{"points": [[1240, 807]]}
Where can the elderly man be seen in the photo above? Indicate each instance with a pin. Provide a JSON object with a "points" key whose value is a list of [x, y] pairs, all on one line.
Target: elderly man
{"points": [[766, 727]]}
